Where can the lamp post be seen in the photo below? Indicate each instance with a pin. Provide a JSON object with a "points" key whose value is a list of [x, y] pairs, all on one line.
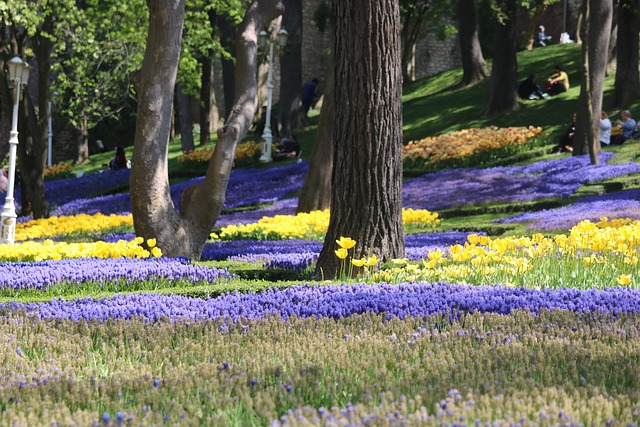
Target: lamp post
{"points": [[267, 136], [18, 77]]}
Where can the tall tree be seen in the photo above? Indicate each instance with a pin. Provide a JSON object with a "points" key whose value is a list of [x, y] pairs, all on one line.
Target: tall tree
{"points": [[290, 108], [412, 16], [316, 190], [184, 233], [366, 197], [503, 82], [597, 30], [627, 82], [474, 67]]}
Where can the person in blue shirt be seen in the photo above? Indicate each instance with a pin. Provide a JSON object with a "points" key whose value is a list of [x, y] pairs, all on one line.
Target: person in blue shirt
{"points": [[543, 39], [309, 95], [628, 126]]}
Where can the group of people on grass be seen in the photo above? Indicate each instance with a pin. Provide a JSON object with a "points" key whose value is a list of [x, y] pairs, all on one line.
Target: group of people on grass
{"points": [[622, 130], [556, 83]]}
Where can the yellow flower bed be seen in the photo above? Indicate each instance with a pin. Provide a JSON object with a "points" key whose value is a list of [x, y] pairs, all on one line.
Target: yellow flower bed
{"points": [[245, 151], [49, 250], [590, 250], [58, 169], [457, 145], [312, 225], [55, 226]]}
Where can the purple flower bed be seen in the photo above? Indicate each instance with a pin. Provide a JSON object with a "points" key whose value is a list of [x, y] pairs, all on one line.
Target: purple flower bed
{"points": [[415, 299], [43, 274], [623, 204], [218, 251], [551, 178], [295, 262]]}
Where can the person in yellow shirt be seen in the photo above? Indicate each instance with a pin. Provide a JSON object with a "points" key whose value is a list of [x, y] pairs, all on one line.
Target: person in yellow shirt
{"points": [[558, 82]]}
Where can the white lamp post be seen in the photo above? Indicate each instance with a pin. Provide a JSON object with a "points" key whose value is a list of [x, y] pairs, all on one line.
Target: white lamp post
{"points": [[18, 77], [267, 136]]}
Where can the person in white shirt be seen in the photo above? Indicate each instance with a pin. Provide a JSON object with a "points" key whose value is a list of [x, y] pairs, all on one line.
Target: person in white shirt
{"points": [[605, 129]]}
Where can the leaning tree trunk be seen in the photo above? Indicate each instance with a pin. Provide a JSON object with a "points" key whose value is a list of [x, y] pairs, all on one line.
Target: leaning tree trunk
{"points": [[290, 105], [504, 73], [474, 67], [597, 28], [316, 190], [184, 233], [366, 197], [627, 83]]}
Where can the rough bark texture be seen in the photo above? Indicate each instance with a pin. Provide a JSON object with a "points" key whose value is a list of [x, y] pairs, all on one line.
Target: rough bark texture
{"points": [[316, 190], [366, 199], [82, 142], [290, 105], [227, 40], [32, 149], [185, 233], [502, 95], [474, 67], [185, 119], [597, 26], [627, 83], [209, 114]]}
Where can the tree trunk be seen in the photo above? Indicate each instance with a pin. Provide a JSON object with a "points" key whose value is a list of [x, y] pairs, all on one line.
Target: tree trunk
{"points": [[316, 190], [504, 73], [82, 142], [411, 31], [533, 23], [209, 115], [290, 108], [227, 40], [185, 233], [597, 29], [366, 197], [627, 82], [185, 119], [33, 144], [474, 67], [613, 40]]}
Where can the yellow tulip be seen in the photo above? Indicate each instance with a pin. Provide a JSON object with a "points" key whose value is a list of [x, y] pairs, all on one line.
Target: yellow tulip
{"points": [[156, 252], [371, 261], [358, 262], [624, 279], [341, 253], [151, 242], [346, 242]]}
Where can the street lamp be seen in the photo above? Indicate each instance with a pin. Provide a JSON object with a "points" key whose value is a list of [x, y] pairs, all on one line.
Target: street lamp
{"points": [[267, 136], [18, 77]]}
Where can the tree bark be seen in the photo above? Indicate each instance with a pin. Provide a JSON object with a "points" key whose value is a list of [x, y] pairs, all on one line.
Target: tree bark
{"points": [[366, 199], [412, 22], [290, 108], [209, 114], [184, 233], [185, 119], [32, 148], [316, 190], [627, 81], [227, 40], [503, 83], [598, 14], [82, 142], [538, 10], [474, 67]]}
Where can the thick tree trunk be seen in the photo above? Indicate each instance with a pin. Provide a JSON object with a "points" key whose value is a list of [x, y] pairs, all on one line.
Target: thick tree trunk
{"points": [[627, 83], [209, 115], [227, 40], [474, 67], [290, 109], [503, 96], [185, 119], [316, 190], [597, 28], [33, 142], [366, 199], [185, 233]]}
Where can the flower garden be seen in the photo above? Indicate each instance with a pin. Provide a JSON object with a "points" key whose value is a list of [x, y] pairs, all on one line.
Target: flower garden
{"points": [[536, 325]]}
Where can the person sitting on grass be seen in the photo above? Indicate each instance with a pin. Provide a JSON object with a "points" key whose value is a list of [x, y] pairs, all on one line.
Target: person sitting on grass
{"points": [[628, 126], [529, 89], [558, 82], [566, 140], [287, 148]]}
